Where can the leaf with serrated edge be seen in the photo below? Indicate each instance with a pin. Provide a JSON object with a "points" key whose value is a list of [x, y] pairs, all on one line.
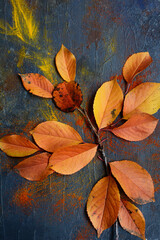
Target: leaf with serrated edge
{"points": [[135, 64], [17, 146], [66, 64], [131, 219], [135, 181], [35, 168], [107, 103], [51, 135], [69, 160], [103, 204], [37, 84], [143, 98], [67, 96], [137, 128]]}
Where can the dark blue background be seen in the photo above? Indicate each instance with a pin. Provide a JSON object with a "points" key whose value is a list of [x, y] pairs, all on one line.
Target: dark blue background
{"points": [[101, 34]]}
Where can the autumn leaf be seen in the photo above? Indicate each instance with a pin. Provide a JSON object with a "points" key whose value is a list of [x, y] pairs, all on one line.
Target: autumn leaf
{"points": [[103, 204], [17, 146], [137, 128], [37, 84], [135, 181], [107, 103], [131, 219], [143, 98], [66, 64], [67, 96], [135, 64], [35, 168], [51, 135], [69, 160]]}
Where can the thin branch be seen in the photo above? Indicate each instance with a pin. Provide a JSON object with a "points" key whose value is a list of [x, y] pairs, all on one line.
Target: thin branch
{"points": [[117, 233], [101, 148], [127, 88], [85, 114]]}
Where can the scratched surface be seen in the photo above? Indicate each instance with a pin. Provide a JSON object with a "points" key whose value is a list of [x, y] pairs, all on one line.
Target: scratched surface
{"points": [[101, 34]]}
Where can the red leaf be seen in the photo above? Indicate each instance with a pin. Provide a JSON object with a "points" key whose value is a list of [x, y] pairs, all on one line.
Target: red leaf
{"points": [[67, 96]]}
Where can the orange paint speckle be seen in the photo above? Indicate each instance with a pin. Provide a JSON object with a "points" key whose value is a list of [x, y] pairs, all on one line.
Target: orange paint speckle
{"points": [[23, 199]]}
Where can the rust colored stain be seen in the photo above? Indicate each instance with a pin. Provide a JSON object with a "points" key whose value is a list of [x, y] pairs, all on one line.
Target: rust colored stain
{"points": [[23, 198], [85, 232]]}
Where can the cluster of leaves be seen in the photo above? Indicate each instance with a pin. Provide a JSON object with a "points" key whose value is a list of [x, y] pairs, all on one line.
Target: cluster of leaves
{"points": [[54, 151]]}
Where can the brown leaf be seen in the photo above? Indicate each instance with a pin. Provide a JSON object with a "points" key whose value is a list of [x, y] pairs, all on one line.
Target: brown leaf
{"points": [[107, 103], [143, 98], [35, 168], [66, 64], [51, 135], [131, 219], [137, 128], [135, 181], [69, 160], [37, 84], [67, 96], [103, 204], [135, 64], [17, 146]]}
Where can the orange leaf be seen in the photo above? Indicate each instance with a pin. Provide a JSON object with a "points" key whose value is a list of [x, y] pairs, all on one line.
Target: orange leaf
{"points": [[35, 168], [67, 96], [51, 135], [37, 84], [107, 103], [66, 64], [69, 160], [131, 219], [135, 181], [137, 128], [143, 98], [135, 64], [103, 204], [17, 146]]}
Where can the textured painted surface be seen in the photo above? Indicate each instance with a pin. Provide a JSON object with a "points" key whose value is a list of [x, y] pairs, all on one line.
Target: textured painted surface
{"points": [[101, 34]]}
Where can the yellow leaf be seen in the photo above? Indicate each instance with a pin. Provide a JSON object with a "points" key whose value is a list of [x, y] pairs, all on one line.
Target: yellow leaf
{"points": [[107, 103], [51, 135], [135, 181], [17, 146], [137, 128], [69, 160], [131, 219], [143, 98], [103, 204], [135, 64], [66, 64]]}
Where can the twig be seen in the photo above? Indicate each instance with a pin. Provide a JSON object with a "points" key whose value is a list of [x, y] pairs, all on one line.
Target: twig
{"points": [[117, 233], [84, 113], [101, 148]]}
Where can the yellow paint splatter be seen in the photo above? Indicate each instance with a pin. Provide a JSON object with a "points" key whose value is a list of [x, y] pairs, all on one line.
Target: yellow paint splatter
{"points": [[26, 29], [24, 24], [47, 111]]}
